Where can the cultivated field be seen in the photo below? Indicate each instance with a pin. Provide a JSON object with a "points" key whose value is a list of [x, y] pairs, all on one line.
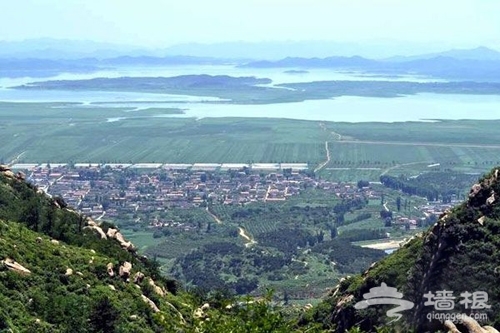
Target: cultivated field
{"points": [[54, 132]]}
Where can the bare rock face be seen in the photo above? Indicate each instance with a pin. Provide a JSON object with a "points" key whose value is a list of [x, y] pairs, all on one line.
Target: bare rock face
{"points": [[471, 325], [157, 289], [4, 168], [9, 174], [109, 267], [115, 234], [14, 266], [94, 226], [151, 304], [124, 270], [111, 232], [481, 220], [491, 199], [474, 190], [138, 277]]}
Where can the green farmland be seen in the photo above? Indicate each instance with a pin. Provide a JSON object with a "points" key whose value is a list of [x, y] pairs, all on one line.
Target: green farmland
{"points": [[55, 132]]}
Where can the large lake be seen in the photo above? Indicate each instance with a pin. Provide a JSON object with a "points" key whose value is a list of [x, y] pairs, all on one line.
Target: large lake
{"points": [[348, 109]]}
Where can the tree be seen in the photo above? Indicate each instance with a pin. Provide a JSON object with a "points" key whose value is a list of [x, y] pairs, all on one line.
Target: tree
{"points": [[398, 203], [285, 298], [320, 236], [333, 232], [103, 316], [203, 177], [363, 183]]}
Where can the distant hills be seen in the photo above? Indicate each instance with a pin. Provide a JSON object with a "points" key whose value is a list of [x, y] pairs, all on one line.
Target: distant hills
{"points": [[50, 48], [48, 57], [481, 64], [479, 53]]}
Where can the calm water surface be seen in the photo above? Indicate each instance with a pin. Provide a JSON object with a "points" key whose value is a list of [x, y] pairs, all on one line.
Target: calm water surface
{"points": [[347, 109]]}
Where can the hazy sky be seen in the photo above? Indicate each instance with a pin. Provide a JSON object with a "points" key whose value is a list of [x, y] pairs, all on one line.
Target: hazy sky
{"points": [[159, 23]]}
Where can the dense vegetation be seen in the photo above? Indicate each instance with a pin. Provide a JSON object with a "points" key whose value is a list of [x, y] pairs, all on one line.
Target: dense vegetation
{"points": [[432, 185], [458, 254]]}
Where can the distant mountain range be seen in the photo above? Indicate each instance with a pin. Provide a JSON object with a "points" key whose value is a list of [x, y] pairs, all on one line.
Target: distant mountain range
{"points": [[478, 53], [477, 64], [49, 48], [48, 57]]}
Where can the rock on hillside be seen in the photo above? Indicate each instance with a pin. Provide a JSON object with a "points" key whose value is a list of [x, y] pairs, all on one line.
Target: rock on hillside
{"points": [[460, 253]]}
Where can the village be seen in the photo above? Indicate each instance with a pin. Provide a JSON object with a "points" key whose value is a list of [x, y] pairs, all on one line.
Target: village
{"points": [[117, 190]]}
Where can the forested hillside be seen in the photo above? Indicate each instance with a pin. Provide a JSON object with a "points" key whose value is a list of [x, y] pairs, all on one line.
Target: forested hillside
{"points": [[458, 254]]}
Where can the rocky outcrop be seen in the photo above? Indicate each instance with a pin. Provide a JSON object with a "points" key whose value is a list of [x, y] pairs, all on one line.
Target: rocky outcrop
{"points": [[151, 304], [115, 234], [474, 190], [109, 268], [124, 270], [138, 277], [160, 291], [7, 172], [491, 199], [94, 226], [199, 313], [14, 266], [69, 272], [470, 325]]}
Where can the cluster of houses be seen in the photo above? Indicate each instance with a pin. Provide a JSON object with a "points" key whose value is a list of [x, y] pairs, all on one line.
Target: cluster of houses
{"points": [[115, 190]]}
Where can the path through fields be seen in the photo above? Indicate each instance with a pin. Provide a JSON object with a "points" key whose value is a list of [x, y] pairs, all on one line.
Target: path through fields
{"points": [[430, 144], [322, 165], [402, 165], [242, 231], [14, 161], [213, 216], [244, 234]]}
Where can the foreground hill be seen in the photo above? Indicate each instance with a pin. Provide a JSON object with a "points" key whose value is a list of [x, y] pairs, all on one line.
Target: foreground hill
{"points": [[61, 272], [458, 254]]}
